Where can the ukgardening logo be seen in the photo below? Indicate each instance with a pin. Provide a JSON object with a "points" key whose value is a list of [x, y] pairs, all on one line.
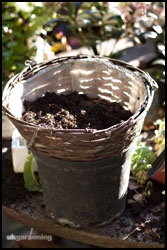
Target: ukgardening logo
{"points": [[29, 237]]}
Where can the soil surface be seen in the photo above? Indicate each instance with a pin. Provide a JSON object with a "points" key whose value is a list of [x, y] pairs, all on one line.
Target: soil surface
{"points": [[140, 222], [73, 111]]}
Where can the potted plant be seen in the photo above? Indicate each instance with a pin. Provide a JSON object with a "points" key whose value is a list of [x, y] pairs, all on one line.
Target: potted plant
{"points": [[84, 173]]}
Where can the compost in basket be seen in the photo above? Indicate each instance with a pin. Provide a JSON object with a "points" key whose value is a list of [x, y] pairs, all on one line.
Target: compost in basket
{"points": [[73, 111]]}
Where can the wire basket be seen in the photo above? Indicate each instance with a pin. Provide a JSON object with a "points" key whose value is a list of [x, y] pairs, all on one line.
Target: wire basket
{"points": [[109, 79]]}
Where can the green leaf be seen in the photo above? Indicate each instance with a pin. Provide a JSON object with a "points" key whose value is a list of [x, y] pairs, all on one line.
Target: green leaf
{"points": [[8, 17], [90, 14], [30, 180], [83, 22], [52, 21], [11, 44], [117, 33], [6, 54], [71, 7], [111, 18], [13, 67], [141, 162], [116, 55]]}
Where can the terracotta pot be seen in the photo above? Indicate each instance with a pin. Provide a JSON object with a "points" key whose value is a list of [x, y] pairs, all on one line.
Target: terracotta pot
{"points": [[157, 172], [160, 175]]}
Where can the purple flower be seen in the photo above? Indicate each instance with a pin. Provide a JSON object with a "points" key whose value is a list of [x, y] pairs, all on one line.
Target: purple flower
{"points": [[10, 31]]}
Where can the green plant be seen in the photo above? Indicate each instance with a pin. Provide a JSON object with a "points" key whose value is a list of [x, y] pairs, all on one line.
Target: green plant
{"points": [[15, 35], [20, 28], [159, 64], [83, 23], [140, 197], [141, 162], [31, 180], [90, 23]]}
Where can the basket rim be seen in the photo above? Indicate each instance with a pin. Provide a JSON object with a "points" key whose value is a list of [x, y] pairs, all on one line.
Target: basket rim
{"points": [[149, 83]]}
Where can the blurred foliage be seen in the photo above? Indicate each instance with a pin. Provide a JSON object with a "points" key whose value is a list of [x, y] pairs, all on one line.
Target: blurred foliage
{"points": [[159, 138], [141, 162], [157, 67], [144, 156], [19, 30], [76, 24], [84, 24], [90, 23]]}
